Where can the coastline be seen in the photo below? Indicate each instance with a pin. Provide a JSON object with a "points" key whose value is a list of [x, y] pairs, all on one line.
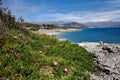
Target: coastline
{"points": [[54, 32], [93, 46], [107, 58], [107, 55], [108, 35]]}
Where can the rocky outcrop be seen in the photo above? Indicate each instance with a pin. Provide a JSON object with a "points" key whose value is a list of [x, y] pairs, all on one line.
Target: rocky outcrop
{"points": [[107, 59]]}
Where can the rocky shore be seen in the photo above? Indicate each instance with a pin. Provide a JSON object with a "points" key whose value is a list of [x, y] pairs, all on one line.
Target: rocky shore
{"points": [[107, 58]]}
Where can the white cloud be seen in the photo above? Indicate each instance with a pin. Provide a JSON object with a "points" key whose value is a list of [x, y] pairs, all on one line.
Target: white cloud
{"points": [[82, 17], [33, 12], [24, 8]]}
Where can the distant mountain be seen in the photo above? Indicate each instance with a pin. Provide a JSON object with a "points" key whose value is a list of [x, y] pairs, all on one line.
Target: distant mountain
{"points": [[51, 22], [74, 24], [103, 24], [81, 25], [63, 24]]}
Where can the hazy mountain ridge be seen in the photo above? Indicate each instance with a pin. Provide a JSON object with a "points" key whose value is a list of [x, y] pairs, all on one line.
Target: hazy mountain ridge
{"points": [[74, 24], [63, 24], [51, 22], [82, 25], [103, 24]]}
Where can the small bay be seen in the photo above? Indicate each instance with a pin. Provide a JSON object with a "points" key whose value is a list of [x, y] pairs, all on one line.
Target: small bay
{"points": [[107, 35]]}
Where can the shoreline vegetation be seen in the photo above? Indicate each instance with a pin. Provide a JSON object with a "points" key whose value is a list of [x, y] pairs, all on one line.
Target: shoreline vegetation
{"points": [[30, 56]]}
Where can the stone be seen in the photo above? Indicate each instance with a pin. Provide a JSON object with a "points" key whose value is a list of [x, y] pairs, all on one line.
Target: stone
{"points": [[107, 58]]}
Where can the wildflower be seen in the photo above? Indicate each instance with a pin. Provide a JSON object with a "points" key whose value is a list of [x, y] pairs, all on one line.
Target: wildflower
{"points": [[26, 42], [55, 63], [20, 35], [40, 52], [24, 39], [65, 70], [15, 37]]}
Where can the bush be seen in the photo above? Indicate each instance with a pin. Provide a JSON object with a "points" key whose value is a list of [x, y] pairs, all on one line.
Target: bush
{"points": [[19, 60]]}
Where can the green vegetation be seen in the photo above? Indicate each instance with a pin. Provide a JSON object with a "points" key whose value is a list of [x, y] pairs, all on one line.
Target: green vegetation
{"points": [[28, 56], [19, 60], [36, 27]]}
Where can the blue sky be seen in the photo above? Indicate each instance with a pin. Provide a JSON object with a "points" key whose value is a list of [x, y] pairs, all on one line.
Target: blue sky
{"points": [[65, 10]]}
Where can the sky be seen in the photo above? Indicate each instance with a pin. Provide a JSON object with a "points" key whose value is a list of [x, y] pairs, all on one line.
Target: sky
{"points": [[65, 10]]}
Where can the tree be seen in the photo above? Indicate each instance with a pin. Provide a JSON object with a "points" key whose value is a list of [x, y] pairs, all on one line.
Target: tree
{"points": [[0, 3], [21, 19], [6, 18]]}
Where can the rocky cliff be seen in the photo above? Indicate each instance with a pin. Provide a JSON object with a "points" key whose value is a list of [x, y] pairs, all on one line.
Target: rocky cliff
{"points": [[107, 58]]}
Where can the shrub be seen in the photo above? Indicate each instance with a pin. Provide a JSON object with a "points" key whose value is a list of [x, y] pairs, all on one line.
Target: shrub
{"points": [[21, 61]]}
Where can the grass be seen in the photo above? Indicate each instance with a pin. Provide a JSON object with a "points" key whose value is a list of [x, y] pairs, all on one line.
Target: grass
{"points": [[21, 61]]}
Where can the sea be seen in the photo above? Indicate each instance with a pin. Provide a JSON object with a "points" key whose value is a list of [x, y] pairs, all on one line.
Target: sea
{"points": [[107, 35]]}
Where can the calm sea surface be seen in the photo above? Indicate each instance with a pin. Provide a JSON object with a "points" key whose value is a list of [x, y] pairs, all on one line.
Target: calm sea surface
{"points": [[108, 35]]}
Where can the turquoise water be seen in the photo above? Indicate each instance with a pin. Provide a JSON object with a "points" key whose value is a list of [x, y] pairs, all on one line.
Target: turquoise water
{"points": [[108, 35]]}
